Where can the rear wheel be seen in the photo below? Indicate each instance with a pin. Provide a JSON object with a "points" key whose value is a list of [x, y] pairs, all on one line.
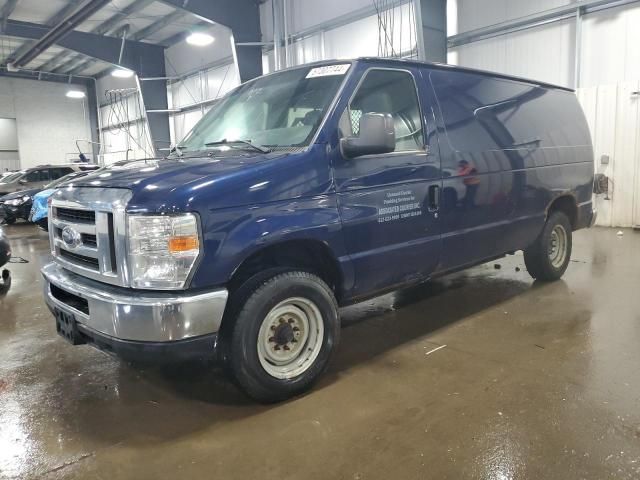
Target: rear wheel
{"points": [[284, 333], [547, 259]]}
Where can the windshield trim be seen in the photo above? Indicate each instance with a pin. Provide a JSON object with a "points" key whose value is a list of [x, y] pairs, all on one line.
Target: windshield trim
{"points": [[330, 108]]}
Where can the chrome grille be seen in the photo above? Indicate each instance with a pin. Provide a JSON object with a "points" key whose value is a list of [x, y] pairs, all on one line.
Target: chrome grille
{"points": [[88, 232], [75, 216]]}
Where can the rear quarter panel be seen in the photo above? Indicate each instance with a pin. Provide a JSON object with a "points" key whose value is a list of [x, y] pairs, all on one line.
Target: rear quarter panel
{"points": [[527, 144]]}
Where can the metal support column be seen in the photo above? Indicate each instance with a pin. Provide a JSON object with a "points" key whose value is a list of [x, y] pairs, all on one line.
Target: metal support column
{"points": [[92, 103], [431, 29], [578, 48]]}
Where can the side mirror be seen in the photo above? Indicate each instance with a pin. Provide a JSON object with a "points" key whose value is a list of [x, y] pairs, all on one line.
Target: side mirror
{"points": [[377, 136], [22, 181]]}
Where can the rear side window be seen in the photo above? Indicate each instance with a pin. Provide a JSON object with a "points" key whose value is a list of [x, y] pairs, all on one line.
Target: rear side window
{"points": [[60, 172], [37, 176], [392, 92]]}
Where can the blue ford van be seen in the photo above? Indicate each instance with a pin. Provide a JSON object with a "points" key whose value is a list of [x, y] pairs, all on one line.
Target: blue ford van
{"points": [[308, 189]]}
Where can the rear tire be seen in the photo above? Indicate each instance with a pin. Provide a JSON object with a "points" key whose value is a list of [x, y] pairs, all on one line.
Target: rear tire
{"points": [[548, 258], [284, 332]]}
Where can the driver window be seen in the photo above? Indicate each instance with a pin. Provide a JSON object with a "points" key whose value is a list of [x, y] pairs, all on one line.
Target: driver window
{"points": [[387, 91]]}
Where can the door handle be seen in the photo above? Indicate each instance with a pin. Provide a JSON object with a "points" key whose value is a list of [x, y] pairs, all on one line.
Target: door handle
{"points": [[433, 198]]}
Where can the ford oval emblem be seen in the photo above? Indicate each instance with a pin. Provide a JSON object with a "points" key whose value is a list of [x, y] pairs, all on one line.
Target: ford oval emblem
{"points": [[71, 237]]}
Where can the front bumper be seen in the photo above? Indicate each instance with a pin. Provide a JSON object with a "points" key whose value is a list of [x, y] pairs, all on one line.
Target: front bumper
{"points": [[123, 319], [13, 212]]}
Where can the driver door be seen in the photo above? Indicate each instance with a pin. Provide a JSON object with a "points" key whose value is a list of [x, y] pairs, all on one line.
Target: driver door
{"points": [[389, 202]]}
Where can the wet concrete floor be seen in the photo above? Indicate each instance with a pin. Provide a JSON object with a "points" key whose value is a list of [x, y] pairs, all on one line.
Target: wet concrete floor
{"points": [[532, 381]]}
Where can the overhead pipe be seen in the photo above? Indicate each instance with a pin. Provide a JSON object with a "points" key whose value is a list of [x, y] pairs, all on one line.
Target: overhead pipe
{"points": [[60, 30]]}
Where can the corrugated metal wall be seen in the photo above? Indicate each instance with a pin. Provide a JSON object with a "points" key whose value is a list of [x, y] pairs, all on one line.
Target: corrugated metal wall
{"points": [[613, 113]]}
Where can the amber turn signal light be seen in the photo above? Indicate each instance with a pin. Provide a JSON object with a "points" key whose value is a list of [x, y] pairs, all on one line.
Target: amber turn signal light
{"points": [[183, 244]]}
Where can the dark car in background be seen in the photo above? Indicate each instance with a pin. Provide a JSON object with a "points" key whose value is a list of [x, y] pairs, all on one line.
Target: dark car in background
{"points": [[17, 206]]}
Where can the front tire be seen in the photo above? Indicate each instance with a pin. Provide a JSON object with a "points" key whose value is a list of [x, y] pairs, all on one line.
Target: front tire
{"points": [[548, 258], [284, 333]]}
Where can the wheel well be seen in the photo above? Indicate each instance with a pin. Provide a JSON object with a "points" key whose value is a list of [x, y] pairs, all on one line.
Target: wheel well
{"points": [[567, 205], [309, 255]]}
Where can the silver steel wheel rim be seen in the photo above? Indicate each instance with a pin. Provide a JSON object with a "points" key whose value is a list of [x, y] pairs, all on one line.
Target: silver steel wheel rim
{"points": [[558, 246], [290, 338]]}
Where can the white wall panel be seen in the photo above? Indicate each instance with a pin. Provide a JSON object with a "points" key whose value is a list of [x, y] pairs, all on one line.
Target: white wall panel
{"points": [[474, 14], [613, 115], [544, 53], [184, 122], [187, 91], [610, 46], [361, 38], [221, 80]]}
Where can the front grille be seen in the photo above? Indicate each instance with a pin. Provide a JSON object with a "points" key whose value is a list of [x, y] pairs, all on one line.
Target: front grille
{"points": [[76, 216], [74, 301], [81, 260], [94, 223], [89, 240]]}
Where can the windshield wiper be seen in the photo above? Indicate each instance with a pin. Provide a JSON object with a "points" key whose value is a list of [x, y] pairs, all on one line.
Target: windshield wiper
{"points": [[247, 143]]}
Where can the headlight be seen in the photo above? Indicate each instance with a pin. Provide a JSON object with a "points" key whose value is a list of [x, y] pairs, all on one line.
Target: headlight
{"points": [[18, 201], [162, 250]]}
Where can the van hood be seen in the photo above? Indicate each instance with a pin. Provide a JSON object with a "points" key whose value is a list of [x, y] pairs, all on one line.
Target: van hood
{"points": [[163, 174], [188, 183]]}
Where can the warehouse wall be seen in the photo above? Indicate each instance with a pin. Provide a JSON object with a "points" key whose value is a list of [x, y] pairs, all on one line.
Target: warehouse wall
{"points": [[48, 123]]}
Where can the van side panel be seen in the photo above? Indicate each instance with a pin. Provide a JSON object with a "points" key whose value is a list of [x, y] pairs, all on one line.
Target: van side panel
{"points": [[508, 148]]}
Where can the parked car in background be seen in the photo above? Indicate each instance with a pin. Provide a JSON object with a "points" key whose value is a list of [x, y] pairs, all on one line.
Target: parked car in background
{"points": [[38, 177], [39, 209], [17, 206], [309, 189], [5, 175]]}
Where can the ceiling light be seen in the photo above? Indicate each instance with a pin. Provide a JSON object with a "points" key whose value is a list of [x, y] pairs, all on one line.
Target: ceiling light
{"points": [[122, 73], [75, 94], [200, 39]]}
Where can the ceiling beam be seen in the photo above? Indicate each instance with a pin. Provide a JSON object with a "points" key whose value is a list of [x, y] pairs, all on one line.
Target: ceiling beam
{"points": [[104, 28], [75, 67], [44, 76], [144, 58], [59, 31], [6, 12], [58, 17]]}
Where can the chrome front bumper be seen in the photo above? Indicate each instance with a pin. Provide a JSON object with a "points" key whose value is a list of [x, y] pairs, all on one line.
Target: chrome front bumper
{"points": [[127, 314]]}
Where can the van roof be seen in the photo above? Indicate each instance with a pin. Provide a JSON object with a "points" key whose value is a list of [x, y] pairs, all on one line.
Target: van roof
{"points": [[443, 66]]}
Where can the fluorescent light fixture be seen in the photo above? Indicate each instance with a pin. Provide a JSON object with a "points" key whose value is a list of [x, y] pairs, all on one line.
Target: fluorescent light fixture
{"points": [[75, 94], [122, 73], [200, 39]]}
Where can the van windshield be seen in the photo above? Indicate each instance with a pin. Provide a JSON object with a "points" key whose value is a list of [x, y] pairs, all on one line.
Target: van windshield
{"points": [[280, 110]]}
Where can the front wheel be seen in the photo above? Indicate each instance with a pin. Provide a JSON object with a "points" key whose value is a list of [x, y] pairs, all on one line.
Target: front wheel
{"points": [[283, 336], [548, 258]]}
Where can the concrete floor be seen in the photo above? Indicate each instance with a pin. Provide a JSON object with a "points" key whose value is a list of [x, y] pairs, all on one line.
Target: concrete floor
{"points": [[535, 381]]}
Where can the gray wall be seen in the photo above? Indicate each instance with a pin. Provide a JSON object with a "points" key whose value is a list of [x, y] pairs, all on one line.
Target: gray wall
{"points": [[9, 155], [48, 123]]}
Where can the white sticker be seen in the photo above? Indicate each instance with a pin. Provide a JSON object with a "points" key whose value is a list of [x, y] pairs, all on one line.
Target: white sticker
{"points": [[328, 70]]}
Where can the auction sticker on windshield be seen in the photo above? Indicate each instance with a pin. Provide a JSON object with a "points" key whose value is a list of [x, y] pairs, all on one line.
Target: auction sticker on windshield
{"points": [[328, 70]]}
